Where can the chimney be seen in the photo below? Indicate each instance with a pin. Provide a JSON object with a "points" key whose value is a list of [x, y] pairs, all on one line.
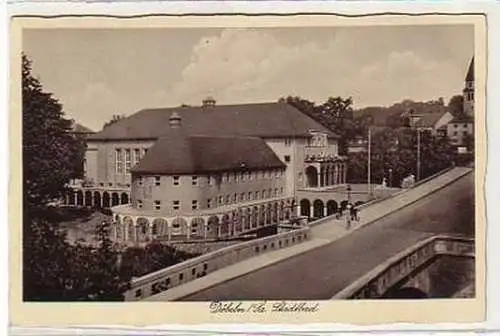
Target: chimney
{"points": [[208, 102], [175, 120]]}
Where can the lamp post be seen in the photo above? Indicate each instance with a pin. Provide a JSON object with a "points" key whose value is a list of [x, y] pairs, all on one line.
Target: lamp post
{"points": [[348, 214], [418, 154]]}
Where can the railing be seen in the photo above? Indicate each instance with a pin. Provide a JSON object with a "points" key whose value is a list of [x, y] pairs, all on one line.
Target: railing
{"points": [[198, 267], [374, 201], [378, 281]]}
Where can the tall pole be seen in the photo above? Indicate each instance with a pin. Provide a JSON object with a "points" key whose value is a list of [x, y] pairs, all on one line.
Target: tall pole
{"points": [[418, 154], [369, 162]]}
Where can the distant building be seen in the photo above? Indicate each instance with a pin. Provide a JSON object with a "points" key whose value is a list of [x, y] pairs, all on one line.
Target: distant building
{"points": [[468, 91], [81, 130], [209, 171], [461, 127], [433, 122]]}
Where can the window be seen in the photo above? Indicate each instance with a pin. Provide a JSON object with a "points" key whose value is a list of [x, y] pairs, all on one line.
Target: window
{"points": [[455, 125], [194, 180], [157, 180], [144, 151], [221, 200], [287, 158], [194, 204], [242, 196], [210, 180], [139, 204], [119, 161], [157, 205], [127, 161], [209, 203], [176, 205], [288, 142], [257, 195], [235, 177], [465, 132], [140, 180], [228, 199], [137, 155], [455, 133], [263, 174], [465, 125], [177, 180], [281, 191], [242, 176], [234, 198], [276, 192], [249, 195]]}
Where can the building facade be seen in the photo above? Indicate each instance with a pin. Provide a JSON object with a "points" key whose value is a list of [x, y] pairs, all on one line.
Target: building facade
{"points": [[207, 172]]}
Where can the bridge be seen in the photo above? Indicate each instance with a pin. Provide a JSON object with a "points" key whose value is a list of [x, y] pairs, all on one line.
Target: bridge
{"points": [[326, 258]]}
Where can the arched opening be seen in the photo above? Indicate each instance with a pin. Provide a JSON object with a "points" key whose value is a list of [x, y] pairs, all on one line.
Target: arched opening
{"points": [[97, 199], [274, 215], [282, 211], [105, 200], [248, 219], [71, 197], [115, 200], [331, 207], [79, 198], [213, 226], [269, 213], [159, 228], [124, 198], [179, 228], [237, 218], [305, 207], [262, 215], [197, 227], [88, 198], [129, 228], [406, 293], [318, 207], [255, 217], [142, 229], [224, 227], [312, 176]]}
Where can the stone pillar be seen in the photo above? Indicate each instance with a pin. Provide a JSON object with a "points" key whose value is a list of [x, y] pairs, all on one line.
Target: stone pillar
{"points": [[188, 233], [169, 231], [345, 172], [311, 211], [150, 230], [135, 232], [324, 210], [336, 174], [319, 179]]}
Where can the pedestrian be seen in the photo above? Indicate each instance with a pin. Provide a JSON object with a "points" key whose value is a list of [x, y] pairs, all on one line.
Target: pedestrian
{"points": [[355, 212]]}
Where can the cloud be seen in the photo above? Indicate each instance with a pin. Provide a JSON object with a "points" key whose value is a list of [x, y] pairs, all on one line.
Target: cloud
{"points": [[240, 65]]}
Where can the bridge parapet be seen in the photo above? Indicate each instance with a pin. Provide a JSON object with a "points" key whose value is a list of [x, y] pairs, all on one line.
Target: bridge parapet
{"points": [[399, 267], [192, 269]]}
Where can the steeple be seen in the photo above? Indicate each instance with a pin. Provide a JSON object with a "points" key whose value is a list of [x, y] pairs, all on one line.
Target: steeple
{"points": [[470, 72]]}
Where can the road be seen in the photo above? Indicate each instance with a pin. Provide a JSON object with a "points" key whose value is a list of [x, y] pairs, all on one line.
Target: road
{"points": [[321, 273]]}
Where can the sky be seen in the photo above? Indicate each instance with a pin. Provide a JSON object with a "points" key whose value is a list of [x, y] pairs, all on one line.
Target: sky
{"points": [[96, 73]]}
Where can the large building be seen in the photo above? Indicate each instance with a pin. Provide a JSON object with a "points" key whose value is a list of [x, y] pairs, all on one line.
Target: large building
{"points": [[208, 171]]}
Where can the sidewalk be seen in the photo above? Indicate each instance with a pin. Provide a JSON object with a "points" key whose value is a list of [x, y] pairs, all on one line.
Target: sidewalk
{"points": [[322, 234]]}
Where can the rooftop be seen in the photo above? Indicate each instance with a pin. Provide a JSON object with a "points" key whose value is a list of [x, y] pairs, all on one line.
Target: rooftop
{"points": [[265, 120]]}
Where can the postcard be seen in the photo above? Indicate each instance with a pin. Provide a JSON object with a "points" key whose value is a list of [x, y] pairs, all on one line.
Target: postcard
{"points": [[247, 169]]}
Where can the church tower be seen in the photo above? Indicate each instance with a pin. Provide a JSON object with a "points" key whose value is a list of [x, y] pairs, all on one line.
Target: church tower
{"points": [[468, 91]]}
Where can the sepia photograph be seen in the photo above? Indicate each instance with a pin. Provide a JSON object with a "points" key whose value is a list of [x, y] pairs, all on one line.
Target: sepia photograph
{"points": [[250, 168]]}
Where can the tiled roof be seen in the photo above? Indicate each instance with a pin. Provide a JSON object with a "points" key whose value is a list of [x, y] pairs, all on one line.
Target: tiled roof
{"points": [[429, 119], [266, 120], [178, 153], [470, 72]]}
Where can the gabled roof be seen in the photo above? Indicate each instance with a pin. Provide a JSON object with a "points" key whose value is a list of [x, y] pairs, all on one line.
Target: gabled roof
{"points": [[470, 72], [78, 128], [429, 119], [178, 153], [266, 120]]}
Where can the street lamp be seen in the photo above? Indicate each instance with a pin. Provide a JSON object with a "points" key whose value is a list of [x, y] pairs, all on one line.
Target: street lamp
{"points": [[390, 177], [348, 214], [418, 154]]}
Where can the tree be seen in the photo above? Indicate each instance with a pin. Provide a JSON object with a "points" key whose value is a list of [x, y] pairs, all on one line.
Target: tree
{"points": [[456, 105], [54, 270], [115, 118]]}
